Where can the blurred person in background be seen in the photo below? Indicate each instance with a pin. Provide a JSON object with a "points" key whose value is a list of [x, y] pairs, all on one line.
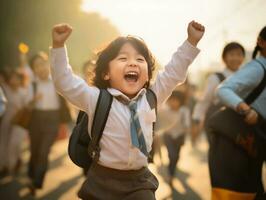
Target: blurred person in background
{"points": [[87, 71], [174, 118], [49, 112], [11, 136], [24, 66], [235, 173], [233, 56]]}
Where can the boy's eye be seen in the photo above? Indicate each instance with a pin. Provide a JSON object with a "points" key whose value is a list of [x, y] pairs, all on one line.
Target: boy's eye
{"points": [[122, 58], [140, 59]]}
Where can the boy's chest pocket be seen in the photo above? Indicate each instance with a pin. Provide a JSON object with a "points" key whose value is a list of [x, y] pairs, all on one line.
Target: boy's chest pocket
{"points": [[148, 116]]}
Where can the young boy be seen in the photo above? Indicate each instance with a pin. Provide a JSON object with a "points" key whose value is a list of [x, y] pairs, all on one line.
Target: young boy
{"points": [[176, 117], [124, 68]]}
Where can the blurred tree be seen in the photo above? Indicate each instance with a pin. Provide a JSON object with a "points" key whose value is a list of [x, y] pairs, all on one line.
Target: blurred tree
{"points": [[31, 21]]}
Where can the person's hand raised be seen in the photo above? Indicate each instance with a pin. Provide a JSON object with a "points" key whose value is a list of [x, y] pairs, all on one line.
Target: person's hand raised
{"points": [[60, 33], [195, 32]]}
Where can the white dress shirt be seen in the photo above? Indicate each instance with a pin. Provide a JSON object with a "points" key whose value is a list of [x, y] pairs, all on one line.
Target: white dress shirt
{"points": [[175, 123], [116, 149], [49, 98], [208, 96]]}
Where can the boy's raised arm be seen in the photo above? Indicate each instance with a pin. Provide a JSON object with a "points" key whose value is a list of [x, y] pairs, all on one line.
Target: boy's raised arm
{"points": [[175, 71], [70, 86]]}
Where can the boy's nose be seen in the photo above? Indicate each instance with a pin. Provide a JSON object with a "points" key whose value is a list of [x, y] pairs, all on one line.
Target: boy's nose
{"points": [[132, 63]]}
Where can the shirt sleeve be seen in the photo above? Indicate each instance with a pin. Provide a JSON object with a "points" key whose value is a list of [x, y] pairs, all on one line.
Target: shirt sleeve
{"points": [[207, 98], [69, 85], [237, 87], [174, 72]]}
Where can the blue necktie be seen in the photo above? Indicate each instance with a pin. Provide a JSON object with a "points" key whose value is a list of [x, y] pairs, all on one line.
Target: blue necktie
{"points": [[137, 136]]}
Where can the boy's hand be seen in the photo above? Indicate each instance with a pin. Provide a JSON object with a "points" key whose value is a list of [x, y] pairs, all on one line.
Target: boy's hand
{"points": [[195, 32], [250, 115], [60, 33]]}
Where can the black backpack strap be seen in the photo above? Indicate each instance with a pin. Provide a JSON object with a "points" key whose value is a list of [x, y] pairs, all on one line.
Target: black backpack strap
{"points": [[257, 91], [152, 99], [220, 76], [102, 110]]}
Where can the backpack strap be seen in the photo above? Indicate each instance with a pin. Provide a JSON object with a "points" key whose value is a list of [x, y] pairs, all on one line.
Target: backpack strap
{"points": [[152, 99], [257, 91], [102, 110], [220, 76]]}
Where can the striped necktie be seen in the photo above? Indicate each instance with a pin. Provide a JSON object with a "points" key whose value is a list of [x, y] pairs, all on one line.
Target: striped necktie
{"points": [[137, 136]]}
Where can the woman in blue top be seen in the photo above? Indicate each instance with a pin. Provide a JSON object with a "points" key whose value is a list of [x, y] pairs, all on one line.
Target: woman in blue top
{"points": [[235, 174]]}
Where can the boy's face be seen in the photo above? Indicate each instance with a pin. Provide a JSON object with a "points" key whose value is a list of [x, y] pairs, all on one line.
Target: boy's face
{"points": [[41, 68], [128, 72], [173, 103], [233, 59], [15, 81]]}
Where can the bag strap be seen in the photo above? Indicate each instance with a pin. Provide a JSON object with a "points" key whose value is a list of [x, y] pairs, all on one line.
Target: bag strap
{"points": [[102, 110], [258, 90], [220, 76], [152, 99]]}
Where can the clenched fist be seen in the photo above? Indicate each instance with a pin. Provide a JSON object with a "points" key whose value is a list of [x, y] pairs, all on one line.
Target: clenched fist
{"points": [[60, 33], [195, 32]]}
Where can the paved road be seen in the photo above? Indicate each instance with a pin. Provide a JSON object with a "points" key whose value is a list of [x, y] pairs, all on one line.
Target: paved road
{"points": [[64, 178]]}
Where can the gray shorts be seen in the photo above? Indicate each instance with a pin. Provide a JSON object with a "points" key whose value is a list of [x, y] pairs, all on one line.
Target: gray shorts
{"points": [[104, 183]]}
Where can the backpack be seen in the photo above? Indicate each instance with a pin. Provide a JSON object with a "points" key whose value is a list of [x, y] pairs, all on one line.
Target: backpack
{"points": [[84, 150], [231, 125]]}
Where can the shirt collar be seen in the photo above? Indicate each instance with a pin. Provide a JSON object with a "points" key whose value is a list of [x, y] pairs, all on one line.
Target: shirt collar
{"points": [[227, 72], [116, 93], [41, 81]]}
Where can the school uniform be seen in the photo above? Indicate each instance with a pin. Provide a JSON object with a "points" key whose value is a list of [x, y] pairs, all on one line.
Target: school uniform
{"points": [[174, 136], [11, 136], [117, 152], [43, 129], [233, 172], [208, 97]]}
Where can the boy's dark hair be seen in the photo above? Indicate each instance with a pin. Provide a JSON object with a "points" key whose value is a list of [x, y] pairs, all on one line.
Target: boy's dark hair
{"points": [[8, 73], [41, 55], [112, 50], [262, 35], [178, 95], [232, 46]]}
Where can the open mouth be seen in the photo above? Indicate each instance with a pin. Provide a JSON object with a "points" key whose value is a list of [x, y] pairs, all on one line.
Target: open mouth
{"points": [[131, 76]]}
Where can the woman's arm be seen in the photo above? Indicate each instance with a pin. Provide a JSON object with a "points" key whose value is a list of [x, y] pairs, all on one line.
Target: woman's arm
{"points": [[237, 87]]}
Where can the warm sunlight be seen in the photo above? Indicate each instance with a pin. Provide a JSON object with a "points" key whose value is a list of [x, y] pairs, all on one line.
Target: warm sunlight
{"points": [[162, 23]]}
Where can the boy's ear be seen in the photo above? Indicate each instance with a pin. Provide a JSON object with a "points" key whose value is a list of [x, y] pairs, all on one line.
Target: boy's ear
{"points": [[106, 77]]}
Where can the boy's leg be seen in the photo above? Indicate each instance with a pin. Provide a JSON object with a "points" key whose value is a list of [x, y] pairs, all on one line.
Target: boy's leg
{"points": [[14, 148], [172, 153], [49, 134], [173, 147], [35, 140], [141, 195]]}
